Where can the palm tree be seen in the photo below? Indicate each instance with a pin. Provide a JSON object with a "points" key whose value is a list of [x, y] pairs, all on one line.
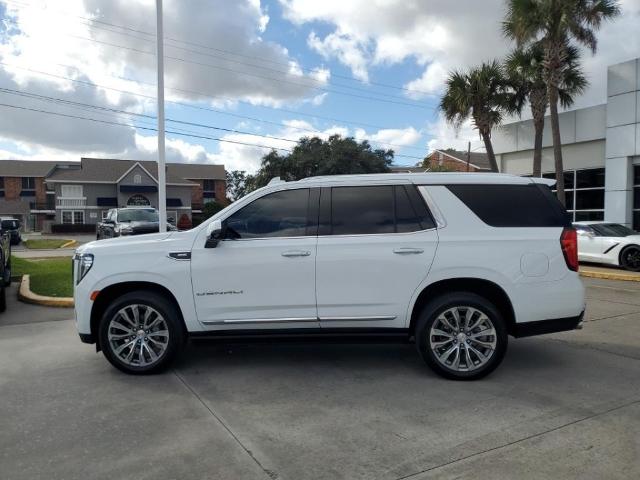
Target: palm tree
{"points": [[556, 24], [525, 72], [479, 94]]}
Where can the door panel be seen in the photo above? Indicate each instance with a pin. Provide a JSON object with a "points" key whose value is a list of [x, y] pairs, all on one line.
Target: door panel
{"points": [[253, 283], [368, 280], [263, 274], [367, 273]]}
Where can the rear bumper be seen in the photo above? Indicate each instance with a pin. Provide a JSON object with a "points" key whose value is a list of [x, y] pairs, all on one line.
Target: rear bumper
{"points": [[529, 329]]}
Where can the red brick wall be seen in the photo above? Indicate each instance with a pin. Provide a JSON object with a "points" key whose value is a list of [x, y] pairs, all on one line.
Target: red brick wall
{"points": [[196, 193], [221, 192], [450, 163], [41, 191], [220, 187], [12, 188]]}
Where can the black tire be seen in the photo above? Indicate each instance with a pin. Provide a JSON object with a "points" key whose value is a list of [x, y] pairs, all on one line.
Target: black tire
{"points": [[431, 314], [7, 274], [170, 315], [630, 258], [3, 298]]}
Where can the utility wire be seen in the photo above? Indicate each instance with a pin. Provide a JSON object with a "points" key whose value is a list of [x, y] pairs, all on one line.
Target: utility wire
{"points": [[263, 77], [85, 106], [199, 107], [106, 122], [228, 52]]}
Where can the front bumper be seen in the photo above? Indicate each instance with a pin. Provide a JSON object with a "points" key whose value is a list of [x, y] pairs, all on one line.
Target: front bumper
{"points": [[529, 329]]}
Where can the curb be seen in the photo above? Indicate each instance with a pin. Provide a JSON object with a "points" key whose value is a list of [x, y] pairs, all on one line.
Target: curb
{"points": [[610, 276], [26, 295], [69, 244]]}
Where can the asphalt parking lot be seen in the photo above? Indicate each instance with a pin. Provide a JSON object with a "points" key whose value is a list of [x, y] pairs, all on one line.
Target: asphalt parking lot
{"points": [[561, 406]]}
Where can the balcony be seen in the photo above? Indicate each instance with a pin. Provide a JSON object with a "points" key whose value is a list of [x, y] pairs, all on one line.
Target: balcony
{"points": [[42, 206], [71, 202]]}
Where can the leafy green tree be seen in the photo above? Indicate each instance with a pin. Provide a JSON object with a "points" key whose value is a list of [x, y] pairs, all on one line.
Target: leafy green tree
{"points": [[314, 156], [557, 24], [236, 184], [480, 94], [526, 76], [210, 209]]}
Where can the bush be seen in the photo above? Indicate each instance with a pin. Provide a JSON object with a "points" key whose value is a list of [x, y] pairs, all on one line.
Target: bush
{"points": [[184, 223], [70, 228]]}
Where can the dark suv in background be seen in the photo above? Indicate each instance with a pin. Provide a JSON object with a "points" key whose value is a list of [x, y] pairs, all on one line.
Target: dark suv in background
{"points": [[11, 227], [130, 221]]}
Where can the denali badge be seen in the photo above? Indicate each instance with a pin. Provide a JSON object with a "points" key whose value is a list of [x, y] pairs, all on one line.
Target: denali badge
{"points": [[220, 292]]}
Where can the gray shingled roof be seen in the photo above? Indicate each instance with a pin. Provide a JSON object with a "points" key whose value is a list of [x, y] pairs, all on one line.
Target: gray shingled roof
{"points": [[28, 168], [110, 170], [479, 159]]}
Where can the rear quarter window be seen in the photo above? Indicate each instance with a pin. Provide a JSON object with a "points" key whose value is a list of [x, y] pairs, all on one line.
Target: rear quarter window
{"points": [[532, 205]]}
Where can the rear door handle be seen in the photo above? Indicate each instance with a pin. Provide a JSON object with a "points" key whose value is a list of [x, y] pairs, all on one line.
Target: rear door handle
{"points": [[408, 251], [296, 253]]}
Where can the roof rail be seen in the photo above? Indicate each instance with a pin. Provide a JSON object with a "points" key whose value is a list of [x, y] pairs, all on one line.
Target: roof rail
{"points": [[275, 181]]}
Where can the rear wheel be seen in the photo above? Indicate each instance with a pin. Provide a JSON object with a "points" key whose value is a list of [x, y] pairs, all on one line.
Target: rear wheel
{"points": [[461, 336], [141, 333], [630, 258]]}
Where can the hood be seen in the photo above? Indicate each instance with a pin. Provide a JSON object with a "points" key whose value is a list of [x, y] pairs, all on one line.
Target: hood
{"points": [[125, 242]]}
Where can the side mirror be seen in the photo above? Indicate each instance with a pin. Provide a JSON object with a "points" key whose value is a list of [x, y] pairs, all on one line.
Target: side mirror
{"points": [[215, 233]]}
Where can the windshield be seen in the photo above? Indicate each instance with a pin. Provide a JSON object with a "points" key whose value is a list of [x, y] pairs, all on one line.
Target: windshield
{"points": [[612, 230], [10, 224], [138, 215]]}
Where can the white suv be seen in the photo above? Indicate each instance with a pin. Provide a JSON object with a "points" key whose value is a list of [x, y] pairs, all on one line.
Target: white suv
{"points": [[455, 261]]}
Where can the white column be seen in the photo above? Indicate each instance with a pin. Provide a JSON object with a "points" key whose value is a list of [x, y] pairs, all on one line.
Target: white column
{"points": [[623, 117], [162, 184]]}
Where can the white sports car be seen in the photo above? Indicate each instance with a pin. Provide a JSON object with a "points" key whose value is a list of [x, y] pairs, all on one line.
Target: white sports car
{"points": [[609, 243]]}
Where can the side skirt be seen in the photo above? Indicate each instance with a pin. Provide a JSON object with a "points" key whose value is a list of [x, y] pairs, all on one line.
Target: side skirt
{"points": [[320, 335]]}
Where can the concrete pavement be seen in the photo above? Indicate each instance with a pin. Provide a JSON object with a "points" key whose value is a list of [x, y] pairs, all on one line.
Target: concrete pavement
{"points": [[560, 406]]}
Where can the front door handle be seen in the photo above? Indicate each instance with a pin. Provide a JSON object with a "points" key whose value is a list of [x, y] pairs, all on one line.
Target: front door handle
{"points": [[408, 251], [296, 253]]}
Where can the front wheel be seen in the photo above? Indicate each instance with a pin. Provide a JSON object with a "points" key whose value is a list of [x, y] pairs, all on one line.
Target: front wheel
{"points": [[141, 333], [630, 258], [461, 336], [7, 274]]}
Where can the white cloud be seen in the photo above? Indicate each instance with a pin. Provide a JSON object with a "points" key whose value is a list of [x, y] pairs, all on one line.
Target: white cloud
{"points": [[443, 35], [444, 136], [396, 136], [345, 48], [431, 81]]}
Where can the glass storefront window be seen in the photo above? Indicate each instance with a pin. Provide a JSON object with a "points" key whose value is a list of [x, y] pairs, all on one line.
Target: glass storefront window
{"points": [[584, 190], [636, 197]]}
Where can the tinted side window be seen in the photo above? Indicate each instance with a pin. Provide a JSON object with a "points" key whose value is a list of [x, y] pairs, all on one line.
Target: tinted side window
{"points": [[411, 212], [362, 210], [512, 205], [279, 214]]}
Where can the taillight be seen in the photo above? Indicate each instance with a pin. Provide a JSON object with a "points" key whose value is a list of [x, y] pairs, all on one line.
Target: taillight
{"points": [[569, 244]]}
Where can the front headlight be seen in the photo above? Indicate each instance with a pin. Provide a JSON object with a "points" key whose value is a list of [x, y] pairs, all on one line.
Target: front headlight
{"points": [[85, 262]]}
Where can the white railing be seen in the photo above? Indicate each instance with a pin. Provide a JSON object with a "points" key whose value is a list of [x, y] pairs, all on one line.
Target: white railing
{"points": [[71, 201]]}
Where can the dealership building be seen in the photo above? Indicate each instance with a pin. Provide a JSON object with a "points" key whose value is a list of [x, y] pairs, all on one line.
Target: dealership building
{"points": [[600, 149]]}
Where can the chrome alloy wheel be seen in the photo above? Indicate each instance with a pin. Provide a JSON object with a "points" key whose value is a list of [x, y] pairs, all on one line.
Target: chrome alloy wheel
{"points": [[463, 339], [138, 335]]}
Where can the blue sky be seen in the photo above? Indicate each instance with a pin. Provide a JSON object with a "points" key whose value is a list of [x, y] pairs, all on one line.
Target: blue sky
{"points": [[346, 46]]}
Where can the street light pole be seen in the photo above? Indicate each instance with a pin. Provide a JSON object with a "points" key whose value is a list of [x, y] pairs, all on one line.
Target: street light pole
{"points": [[162, 184]]}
